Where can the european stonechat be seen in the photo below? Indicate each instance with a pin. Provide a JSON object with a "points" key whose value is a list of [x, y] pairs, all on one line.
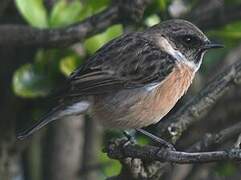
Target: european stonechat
{"points": [[136, 79]]}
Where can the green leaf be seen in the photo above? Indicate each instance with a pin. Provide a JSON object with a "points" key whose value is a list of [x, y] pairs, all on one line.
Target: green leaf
{"points": [[48, 60], [142, 140], [226, 169], [28, 82], [95, 42], [162, 4], [34, 12], [112, 167], [91, 7], [230, 31], [98, 5], [65, 13], [68, 64], [152, 20]]}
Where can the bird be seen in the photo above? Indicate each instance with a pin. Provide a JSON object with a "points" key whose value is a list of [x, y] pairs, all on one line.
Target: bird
{"points": [[134, 80]]}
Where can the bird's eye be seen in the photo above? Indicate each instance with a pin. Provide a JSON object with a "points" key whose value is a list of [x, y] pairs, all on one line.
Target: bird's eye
{"points": [[189, 40]]}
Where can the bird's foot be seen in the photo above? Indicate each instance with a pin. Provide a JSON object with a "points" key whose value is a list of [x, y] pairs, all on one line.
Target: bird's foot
{"points": [[130, 138], [159, 140]]}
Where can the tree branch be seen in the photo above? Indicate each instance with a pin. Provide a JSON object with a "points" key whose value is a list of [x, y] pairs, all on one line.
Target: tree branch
{"points": [[19, 35], [152, 153], [214, 17], [216, 139], [93, 138], [64, 147]]}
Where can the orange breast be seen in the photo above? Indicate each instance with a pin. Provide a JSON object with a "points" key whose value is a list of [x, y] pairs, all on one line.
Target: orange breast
{"points": [[156, 105], [136, 108]]}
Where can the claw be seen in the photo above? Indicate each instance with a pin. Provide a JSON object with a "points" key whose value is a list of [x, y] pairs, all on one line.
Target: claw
{"points": [[130, 138]]}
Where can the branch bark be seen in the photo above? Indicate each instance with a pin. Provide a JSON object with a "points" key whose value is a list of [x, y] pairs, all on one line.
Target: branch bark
{"points": [[93, 138], [214, 17], [19, 35], [207, 142], [65, 150], [152, 153], [210, 140]]}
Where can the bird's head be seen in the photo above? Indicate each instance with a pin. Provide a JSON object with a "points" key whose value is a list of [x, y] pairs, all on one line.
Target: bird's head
{"points": [[185, 39]]}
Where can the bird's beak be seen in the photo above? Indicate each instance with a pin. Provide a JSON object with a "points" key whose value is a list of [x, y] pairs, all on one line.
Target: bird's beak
{"points": [[212, 45]]}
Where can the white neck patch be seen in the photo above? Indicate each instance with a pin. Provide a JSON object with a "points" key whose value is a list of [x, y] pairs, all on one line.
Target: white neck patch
{"points": [[167, 47]]}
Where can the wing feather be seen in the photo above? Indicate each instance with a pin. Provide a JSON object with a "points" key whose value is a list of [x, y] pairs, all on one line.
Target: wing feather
{"points": [[130, 61]]}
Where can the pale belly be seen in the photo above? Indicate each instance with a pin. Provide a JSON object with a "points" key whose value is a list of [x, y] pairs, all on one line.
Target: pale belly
{"points": [[136, 108]]}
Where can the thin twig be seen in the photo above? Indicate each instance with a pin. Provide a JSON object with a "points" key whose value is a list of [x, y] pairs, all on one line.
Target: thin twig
{"points": [[210, 140]]}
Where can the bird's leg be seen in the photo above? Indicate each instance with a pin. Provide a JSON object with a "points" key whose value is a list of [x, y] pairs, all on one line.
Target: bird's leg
{"points": [[159, 140], [130, 138]]}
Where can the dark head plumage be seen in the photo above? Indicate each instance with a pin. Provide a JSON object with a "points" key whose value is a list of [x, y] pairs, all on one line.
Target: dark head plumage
{"points": [[184, 37]]}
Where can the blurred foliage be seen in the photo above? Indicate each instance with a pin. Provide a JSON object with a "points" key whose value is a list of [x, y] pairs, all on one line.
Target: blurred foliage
{"points": [[230, 36], [34, 12], [228, 2], [68, 64], [64, 13], [211, 59], [29, 81], [95, 42], [37, 79], [110, 167], [229, 33], [152, 20], [225, 169], [163, 4], [96, 6]]}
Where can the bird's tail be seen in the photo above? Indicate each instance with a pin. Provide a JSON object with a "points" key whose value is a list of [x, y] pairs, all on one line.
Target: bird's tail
{"points": [[47, 118], [61, 111]]}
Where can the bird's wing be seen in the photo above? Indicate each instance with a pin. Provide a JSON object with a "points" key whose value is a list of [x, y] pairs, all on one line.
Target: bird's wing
{"points": [[130, 61]]}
